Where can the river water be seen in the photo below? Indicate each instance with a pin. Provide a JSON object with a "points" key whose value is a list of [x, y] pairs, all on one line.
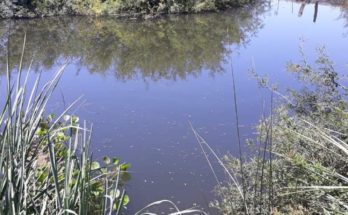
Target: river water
{"points": [[144, 81]]}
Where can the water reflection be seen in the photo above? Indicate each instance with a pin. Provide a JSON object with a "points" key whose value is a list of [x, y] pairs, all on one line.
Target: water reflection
{"points": [[343, 4], [168, 48], [344, 14]]}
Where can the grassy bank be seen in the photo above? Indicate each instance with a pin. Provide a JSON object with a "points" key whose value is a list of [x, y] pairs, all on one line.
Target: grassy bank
{"points": [[300, 156], [39, 8]]}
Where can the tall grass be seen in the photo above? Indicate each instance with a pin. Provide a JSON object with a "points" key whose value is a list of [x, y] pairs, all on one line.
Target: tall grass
{"points": [[300, 161], [45, 161]]}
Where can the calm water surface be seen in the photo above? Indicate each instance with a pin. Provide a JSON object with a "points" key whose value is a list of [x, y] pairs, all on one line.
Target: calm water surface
{"points": [[144, 81]]}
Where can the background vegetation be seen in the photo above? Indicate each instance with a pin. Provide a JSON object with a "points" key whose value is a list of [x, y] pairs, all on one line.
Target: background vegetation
{"points": [[33, 8]]}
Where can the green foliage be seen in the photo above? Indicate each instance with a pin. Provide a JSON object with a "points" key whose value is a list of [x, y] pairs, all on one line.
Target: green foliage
{"points": [[308, 138], [31, 8]]}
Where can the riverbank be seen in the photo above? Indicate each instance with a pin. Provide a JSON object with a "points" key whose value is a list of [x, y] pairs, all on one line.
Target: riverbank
{"points": [[119, 8], [301, 148]]}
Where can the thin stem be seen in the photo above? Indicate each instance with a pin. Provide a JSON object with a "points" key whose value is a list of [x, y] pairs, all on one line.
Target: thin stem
{"points": [[238, 133], [270, 159]]}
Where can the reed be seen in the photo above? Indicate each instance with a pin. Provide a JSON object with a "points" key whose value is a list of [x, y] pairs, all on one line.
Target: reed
{"points": [[45, 161]]}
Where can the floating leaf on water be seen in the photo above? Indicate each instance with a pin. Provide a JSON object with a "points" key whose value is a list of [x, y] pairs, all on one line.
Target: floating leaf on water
{"points": [[106, 160], [75, 119], [125, 200], [125, 166], [115, 161]]}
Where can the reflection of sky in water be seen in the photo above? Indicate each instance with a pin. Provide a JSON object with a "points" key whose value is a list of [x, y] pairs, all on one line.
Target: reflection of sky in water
{"points": [[145, 122]]}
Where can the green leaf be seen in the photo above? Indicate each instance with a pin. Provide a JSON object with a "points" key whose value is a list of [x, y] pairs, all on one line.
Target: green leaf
{"points": [[114, 194], [75, 119], [115, 161], [125, 200], [95, 165], [125, 166], [41, 132], [104, 170], [106, 160], [42, 177], [51, 117]]}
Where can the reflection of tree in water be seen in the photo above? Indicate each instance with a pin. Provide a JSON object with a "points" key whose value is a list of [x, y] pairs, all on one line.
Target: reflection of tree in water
{"points": [[166, 48], [342, 4], [344, 14]]}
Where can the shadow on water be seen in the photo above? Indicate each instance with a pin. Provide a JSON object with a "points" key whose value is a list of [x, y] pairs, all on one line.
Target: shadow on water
{"points": [[172, 47]]}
